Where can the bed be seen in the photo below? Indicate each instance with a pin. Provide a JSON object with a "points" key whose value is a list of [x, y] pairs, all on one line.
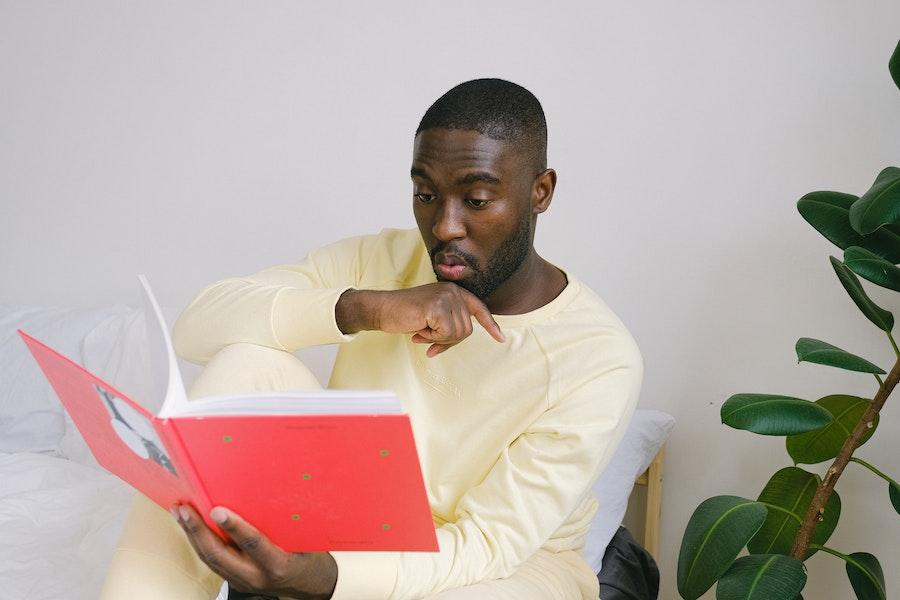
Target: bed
{"points": [[61, 514]]}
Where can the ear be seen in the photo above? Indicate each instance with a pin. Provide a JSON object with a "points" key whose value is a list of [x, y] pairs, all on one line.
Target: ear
{"points": [[542, 191]]}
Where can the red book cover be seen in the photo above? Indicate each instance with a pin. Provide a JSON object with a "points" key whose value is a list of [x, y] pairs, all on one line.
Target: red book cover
{"points": [[343, 480]]}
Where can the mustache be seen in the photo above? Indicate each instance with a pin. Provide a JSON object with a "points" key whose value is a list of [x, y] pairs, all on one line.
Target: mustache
{"points": [[449, 248]]}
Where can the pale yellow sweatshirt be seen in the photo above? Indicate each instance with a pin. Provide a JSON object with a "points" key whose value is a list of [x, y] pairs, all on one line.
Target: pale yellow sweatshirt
{"points": [[510, 435]]}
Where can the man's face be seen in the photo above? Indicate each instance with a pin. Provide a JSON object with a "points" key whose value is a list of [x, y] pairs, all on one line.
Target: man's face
{"points": [[472, 201]]}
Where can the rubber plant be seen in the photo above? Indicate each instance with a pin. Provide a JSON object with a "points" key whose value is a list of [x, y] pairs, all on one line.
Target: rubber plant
{"points": [[798, 509]]}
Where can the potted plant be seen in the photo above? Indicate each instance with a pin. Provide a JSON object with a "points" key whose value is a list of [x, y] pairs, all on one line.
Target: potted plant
{"points": [[798, 509]]}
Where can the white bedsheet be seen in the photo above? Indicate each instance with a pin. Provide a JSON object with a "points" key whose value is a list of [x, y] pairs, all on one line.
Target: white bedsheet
{"points": [[59, 523]]}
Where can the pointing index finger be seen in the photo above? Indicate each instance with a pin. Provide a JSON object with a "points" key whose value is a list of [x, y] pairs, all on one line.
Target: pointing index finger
{"points": [[483, 316]]}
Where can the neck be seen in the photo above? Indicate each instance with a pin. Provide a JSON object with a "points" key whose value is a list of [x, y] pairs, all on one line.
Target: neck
{"points": [[534, 284]]}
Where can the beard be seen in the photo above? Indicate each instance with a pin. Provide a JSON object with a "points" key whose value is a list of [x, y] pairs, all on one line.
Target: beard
{"points": [[506, 260]]}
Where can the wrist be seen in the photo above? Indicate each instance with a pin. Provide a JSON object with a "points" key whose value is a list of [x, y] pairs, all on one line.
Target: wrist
{"points": [[356, 310], [323, 576]]}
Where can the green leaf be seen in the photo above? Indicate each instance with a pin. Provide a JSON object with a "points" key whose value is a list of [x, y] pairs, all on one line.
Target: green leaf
{"points": [[880, 317], [825, 443], [872, 267], [866, 576], [894, 65], [762, 577], [829, 213], [894, 494], [880, 205], [715, 534], [823, 353], [788, 495], [768, 414]]}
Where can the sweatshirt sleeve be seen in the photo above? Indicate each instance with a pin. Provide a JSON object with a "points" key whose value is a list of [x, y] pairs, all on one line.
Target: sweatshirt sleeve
{"points": [[536, 483], [285, 307]]}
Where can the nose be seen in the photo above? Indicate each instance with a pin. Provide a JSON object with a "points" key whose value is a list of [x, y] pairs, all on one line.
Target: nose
{"points": [[449, 221]]}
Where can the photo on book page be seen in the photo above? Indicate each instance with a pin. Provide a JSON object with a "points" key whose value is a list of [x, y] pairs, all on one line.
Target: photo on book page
{"points": [[135, 430]]}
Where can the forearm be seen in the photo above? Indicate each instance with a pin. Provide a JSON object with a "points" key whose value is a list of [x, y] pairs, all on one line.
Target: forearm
{"points": [[226, 312], [284, 307], [254, 311]]}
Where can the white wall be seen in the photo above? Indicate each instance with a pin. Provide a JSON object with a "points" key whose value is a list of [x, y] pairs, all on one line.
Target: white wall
{"points": [[197, 140]]}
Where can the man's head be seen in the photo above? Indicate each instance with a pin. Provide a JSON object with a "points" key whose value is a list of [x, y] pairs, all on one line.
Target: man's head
{"points": [[480, 179]]}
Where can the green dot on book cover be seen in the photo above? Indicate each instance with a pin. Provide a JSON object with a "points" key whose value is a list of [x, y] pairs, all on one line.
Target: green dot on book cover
{"points": [[385, 526], [383, 452], [295, 517], [307, 476], [227, 438]]}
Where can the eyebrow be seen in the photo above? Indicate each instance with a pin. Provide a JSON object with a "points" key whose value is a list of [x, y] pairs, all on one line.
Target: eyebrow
{"points": [[478, 176]]}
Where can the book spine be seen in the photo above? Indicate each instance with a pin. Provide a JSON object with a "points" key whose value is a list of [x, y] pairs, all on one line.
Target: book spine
{"points": [[182, 459]]}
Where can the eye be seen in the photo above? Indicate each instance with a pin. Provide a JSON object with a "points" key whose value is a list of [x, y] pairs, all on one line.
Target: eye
{"points": [[424, 198], [476, 203]]}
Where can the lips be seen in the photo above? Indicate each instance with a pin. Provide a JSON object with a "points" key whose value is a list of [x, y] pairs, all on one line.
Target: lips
{"points": [[449, 266], [451, 272]]}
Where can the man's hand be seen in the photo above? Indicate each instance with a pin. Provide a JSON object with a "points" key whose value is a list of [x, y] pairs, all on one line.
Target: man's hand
{"points": [[253, 563], [439, 314]]}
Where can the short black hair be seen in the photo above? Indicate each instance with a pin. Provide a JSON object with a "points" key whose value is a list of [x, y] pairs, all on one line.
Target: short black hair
{"points": [[499, 109]]}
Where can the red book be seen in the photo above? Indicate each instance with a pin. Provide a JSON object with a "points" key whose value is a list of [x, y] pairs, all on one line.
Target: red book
{"points": [[314, 471]]}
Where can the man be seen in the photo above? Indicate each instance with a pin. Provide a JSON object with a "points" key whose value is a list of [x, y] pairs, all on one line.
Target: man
{"points": [[518, 380]]}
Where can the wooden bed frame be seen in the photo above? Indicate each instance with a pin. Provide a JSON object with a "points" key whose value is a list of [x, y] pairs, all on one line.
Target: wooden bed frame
{"points": [[652, 479]]}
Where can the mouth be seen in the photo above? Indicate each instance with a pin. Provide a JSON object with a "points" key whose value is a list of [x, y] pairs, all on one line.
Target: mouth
{"points": [[450, 266]]}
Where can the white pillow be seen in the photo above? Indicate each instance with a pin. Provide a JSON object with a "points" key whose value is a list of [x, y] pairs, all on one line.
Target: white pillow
{"points": [[31, 416], [645, 435]]}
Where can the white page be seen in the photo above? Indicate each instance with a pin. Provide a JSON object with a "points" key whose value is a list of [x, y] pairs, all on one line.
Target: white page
{"points": [[163, 364], [308, 402]]}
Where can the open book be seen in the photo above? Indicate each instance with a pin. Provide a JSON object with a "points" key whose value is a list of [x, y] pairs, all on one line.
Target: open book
{"points": [[314, 470]]}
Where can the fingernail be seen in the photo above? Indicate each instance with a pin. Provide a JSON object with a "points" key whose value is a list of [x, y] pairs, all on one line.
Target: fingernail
{"points": [[218, 515], [185, 515]]}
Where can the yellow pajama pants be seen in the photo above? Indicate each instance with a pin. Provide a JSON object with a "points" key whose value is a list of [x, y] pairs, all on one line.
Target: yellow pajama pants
{"points": [[154, 560]]}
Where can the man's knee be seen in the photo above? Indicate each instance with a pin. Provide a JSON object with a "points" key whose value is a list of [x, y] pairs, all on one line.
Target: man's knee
{"points": [[241, 368]]}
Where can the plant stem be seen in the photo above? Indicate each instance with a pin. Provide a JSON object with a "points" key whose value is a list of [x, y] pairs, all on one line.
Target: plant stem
{"points": [[831, 552], [880, 381], [893, 343], [823, 492], [852, 561], [873, 469]]}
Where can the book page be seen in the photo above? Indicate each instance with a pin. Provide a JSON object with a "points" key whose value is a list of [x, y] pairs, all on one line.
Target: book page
{"points": [[168, 387], [310, 402]]}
